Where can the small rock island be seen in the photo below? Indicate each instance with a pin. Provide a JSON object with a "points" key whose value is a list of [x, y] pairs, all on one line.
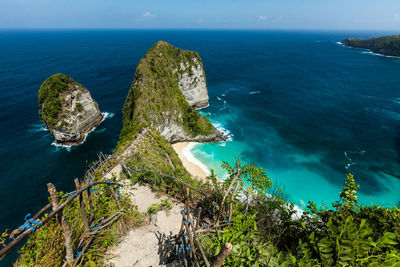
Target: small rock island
{"points": [[385, 45], [67, 109]]}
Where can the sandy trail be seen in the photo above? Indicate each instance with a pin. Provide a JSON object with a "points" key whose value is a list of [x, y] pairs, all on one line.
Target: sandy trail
{"points": [[141, 246]]}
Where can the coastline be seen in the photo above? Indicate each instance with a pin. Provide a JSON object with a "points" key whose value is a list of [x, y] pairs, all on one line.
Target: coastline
{"points": [[368, 51], [194, 166]]}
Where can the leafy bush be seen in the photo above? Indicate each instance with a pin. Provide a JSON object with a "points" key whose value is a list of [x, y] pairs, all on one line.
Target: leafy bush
{"points": [[79, 107], [156, 207], [268, 232]]}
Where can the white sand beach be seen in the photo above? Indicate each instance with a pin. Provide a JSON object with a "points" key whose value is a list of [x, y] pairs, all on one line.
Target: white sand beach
{"points": [[191, 164]]}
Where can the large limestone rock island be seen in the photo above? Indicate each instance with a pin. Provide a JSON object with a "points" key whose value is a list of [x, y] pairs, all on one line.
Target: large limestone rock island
{"points": [[67, 109], [169, 85]]}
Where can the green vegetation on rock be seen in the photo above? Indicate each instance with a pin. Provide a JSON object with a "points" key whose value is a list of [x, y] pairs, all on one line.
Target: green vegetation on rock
{"points": [[155, 98], [79, 107], [67, 109], [50, 102], [386, 45]]}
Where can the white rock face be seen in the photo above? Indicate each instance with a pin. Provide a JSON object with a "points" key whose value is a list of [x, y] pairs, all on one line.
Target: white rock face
{"points": [[193, 83], [175, 132], [80, 113]]}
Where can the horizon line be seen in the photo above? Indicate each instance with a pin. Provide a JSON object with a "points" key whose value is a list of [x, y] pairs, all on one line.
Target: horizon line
{"points": [[197, 29]]}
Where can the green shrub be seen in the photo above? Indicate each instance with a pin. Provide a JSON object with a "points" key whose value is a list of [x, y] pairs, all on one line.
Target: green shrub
{"points": [[164, 205], [78, 107]]}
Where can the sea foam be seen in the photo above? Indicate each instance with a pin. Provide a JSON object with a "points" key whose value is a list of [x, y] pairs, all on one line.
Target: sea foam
{"points": [[187, 153], [377, 54], [254, 92], [222, 129], [36, 128]]}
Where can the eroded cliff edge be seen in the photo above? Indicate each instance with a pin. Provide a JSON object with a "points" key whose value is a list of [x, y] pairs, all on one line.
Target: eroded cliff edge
{"points": [[67, 109], [169, 84]]}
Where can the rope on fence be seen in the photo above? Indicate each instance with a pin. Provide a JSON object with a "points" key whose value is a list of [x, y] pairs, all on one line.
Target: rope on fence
{"points": [[32, 224]]}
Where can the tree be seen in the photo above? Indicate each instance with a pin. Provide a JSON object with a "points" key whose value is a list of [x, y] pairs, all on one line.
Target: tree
{"points": [[348, 202]]}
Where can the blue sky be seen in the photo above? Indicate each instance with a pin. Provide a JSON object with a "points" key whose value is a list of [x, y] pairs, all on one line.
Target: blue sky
{"points": [[208, 14]]}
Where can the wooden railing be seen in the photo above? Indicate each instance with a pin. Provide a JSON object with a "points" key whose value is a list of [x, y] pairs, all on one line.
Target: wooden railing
{"points": [[185, 240], [39, 219]]}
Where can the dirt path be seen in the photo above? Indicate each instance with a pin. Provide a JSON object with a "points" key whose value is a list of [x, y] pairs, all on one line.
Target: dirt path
{"points": [[141, 246]]}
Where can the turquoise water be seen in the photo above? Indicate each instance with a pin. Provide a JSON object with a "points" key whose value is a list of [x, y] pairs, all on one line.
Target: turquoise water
{"points": [[302, 175], [309, 115], [301, 184]]}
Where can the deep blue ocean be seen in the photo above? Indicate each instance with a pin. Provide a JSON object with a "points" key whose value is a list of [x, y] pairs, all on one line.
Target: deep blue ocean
{"points": [[297, 103]]}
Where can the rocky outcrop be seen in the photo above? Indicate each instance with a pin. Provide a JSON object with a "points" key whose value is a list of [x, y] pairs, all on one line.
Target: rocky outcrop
{"points": [[67, 109], [175, 132], [192, 82], [385, 45], [169, 84]]}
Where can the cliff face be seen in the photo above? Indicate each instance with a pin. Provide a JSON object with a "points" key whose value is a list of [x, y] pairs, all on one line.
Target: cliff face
{"points": [[386, 45], [67, 109], [169, 83], [192, 81]]}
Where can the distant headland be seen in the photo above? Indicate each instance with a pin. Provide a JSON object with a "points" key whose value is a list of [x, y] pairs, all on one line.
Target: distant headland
{"points": [[385, 45]]}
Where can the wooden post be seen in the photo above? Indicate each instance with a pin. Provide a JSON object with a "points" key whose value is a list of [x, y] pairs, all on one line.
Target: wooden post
{"points": [[187, 224], [226, 194], [198, 219], [78, 259], [185, 262], [232, 199], [226, 250], [196, 238], [192, 245], [82, 205], [115, 197], [119, 206], [90, 206], [186, 206], [63, 222]]}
